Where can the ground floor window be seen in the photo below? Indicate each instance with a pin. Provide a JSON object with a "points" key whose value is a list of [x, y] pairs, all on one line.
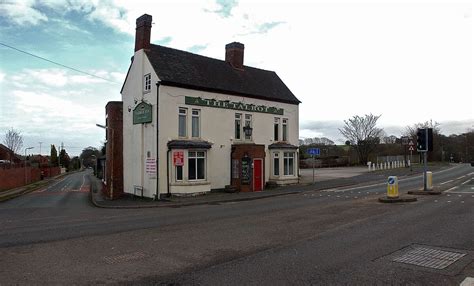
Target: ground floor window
{"points": [[196, 165], [179, 173], [289, 163], [276, 164]]}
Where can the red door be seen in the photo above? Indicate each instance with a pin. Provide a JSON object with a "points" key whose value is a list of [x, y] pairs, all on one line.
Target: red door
{"points": [[257, 175]]}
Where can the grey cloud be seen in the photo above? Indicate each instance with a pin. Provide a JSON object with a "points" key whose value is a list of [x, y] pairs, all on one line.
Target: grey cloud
{"points": [[226, 7]]}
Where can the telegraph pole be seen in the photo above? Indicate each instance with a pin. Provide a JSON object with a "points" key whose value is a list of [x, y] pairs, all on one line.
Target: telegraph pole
{"points": [[40, 146]]}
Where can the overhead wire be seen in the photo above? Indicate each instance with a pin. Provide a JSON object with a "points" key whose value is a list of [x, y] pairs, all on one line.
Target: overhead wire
{"points": [[56, 63]]}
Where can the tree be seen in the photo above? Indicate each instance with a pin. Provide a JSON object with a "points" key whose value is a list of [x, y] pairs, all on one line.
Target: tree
{"points": [[54, 156], [64, 159], [410, 131], [363, 134], [89, 156], [13, 140]]}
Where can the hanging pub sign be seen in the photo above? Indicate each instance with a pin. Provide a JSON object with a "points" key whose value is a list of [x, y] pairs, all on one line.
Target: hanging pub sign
{"points": [[142, 113], [178, 158], [226, 104]]}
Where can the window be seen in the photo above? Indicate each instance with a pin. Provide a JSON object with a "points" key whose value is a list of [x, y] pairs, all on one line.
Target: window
{"points": [[276, 164], [195, 123], [147, 83], [182, 122], [285, 130], [196, 165], [276, 128], [248, 123], [288, 163], [179, 173], [238, 125]]}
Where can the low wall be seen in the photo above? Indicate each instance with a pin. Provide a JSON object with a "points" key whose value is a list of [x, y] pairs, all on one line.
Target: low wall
{"points": [[17, 176]]}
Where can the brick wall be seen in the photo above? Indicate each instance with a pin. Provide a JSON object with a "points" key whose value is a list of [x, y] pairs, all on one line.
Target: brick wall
{"points": [[15, 176], [114, 152], [252, 151]]}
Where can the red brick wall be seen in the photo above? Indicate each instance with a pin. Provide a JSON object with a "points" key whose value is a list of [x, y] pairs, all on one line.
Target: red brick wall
{"points": [[114, 152], [15, 177], [253, 151]]}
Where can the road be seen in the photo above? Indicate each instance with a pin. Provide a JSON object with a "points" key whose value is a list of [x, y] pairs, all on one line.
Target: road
{"points": [[338, 236]]}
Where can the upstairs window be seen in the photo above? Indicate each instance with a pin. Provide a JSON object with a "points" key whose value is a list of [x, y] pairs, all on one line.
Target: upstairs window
{"points": [[195, 123], [182, 117], [248, 123], [238, 126], [276, 129], [285, 130], [147, 83]]}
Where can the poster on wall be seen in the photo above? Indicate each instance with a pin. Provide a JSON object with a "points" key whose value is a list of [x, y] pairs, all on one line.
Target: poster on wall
{"points": [[178, 158], [246, 171], [150, 166]]}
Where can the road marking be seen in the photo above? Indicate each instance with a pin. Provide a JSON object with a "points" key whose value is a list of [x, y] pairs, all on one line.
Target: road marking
{"points": [[466, 182], [469, 281], [449, 201], [446, 182], [459, 178]]}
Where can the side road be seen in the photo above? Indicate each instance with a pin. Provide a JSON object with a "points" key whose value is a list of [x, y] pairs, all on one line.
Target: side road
{"points": [[220, 197], [13, 193]]}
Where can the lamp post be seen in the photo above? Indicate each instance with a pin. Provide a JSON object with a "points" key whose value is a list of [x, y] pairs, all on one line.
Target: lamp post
{"points": [[26, 149], [248, 131]]}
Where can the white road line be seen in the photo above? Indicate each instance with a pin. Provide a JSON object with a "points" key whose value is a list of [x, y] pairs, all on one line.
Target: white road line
{"points": [[469, 281], [466, 182], [452, 189], [459, 178], [446, 182]]}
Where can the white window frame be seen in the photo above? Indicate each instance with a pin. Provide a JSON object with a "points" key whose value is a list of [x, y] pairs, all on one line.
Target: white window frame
{"points": [[176, 173], [196, 156], [284, 129], [147, 83], [249, 121], [238, 118], [183, 112], [196, 113], [276, 127], [276, 166], [286, 163]]}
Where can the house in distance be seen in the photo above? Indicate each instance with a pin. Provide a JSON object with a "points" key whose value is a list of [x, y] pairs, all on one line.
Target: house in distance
{"points": [[192, 123]]}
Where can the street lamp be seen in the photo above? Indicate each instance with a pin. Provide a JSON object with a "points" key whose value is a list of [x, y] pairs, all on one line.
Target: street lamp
{"points": [[28, 148]]}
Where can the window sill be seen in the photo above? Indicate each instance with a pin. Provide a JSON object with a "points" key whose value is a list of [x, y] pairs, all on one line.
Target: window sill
{"points": [[190, 183]]}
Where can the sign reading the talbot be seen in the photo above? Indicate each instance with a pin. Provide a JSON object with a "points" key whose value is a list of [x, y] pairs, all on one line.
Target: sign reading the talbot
{"points": [[226, 104], [142, 113]]}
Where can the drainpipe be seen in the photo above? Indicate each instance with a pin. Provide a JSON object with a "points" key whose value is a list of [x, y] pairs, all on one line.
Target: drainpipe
{"points": [[168, 172], [157, 140]]}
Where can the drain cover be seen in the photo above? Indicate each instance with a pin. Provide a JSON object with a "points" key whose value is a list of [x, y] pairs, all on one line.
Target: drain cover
{"points": [[428, 257]]}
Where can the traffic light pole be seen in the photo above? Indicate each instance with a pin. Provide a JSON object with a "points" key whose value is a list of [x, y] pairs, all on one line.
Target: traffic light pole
{"points": [[425, 169]]}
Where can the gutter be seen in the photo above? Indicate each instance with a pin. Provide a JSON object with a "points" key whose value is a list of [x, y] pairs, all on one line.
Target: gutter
{"points": [[157, 141]]}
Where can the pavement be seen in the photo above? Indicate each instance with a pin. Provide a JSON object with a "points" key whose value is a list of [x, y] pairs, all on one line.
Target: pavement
{"points": [[325, 179]]}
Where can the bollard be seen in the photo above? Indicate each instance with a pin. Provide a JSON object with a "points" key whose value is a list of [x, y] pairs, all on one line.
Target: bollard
{"points": [[369, 164], [374, 167], [392, 187], [429, 181]]}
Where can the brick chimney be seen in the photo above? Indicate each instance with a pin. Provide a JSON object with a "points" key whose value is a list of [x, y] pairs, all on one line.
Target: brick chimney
{"points": [[234, 54], [142, 34]]}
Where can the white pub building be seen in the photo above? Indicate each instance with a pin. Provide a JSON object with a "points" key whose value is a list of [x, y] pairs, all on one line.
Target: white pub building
{"points": [[192, 124]]}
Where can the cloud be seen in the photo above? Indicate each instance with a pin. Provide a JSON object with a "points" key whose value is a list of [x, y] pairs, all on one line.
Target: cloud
{"points": [[22, 12], [197, 48], [2, 76], [164, 41], [225, 7]]}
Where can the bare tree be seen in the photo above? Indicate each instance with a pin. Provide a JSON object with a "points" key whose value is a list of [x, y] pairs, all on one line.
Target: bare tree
{"points": [[363, 134], [13, 140], [410, 131]]}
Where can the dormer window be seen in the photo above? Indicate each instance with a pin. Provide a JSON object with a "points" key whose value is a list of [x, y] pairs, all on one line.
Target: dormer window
{"points": [[147, 83]]}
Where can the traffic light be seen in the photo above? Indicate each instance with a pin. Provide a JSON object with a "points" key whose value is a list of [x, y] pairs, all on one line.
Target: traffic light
{"points": [[430, 139], [421, 145]]}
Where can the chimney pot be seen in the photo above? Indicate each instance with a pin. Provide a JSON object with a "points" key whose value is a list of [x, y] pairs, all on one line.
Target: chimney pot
{"points": [[142, 33], [234, 54]]}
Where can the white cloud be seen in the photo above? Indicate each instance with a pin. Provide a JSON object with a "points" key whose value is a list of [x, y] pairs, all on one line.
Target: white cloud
{"points": [[21, 12], [2, 76]]}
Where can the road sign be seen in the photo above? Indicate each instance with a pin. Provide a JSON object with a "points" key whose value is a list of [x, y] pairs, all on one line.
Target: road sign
{"points": [[410, 143], [405, 140], [392, 187], [411, 148], [313, 151]]}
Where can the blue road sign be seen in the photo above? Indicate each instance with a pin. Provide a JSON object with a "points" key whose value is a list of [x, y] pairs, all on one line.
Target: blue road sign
{"points": [[313, 151], [391, 181]]}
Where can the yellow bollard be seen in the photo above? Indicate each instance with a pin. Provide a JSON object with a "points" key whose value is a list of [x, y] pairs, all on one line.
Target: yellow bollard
{"points": [[392, 187], [429, 181]]}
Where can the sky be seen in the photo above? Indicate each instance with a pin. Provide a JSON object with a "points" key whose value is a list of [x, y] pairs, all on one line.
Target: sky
{"points": [[408, 62]]}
